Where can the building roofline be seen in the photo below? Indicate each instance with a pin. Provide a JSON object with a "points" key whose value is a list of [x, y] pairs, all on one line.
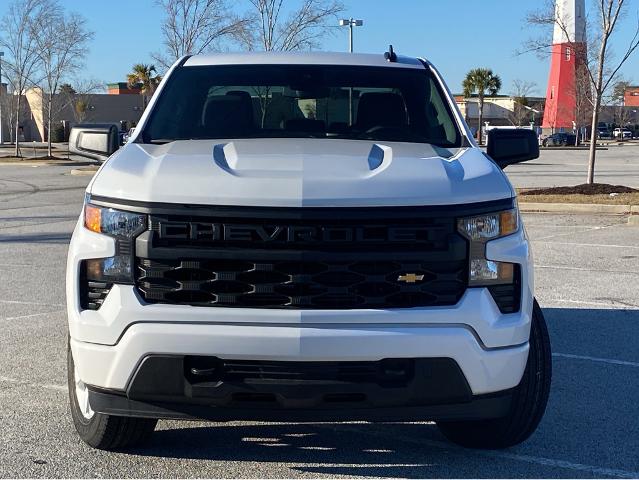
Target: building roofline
{"points": [[497, 97]]}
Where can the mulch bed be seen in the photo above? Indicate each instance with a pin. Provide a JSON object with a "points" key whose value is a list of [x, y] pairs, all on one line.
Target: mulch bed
{"points": [[584, 189]]}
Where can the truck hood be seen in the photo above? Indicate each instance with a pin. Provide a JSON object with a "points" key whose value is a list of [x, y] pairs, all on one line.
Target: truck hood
{"points": [[300, 172]]}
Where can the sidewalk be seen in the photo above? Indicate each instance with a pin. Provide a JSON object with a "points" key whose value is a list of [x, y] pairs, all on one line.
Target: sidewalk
{"points": [[32, 152]]}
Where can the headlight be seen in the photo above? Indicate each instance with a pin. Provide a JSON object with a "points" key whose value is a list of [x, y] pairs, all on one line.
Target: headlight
{"points": [[116, 223], [124, 227], [479, 229], [490, 226]]}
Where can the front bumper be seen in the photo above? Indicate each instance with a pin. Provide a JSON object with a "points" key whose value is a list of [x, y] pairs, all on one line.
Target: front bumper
{"points": [[391, 390], [109, 344]]}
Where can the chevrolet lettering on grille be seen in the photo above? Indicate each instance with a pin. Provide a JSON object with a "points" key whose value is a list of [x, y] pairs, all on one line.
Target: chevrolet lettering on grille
{"points": [[221, 232]]}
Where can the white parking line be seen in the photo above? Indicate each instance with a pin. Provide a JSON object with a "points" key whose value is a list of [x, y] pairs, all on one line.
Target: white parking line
{"points": [[618, 306], [610, 361], [22, 302], [548, 462], [20, 317], [62, 388], [581, 231], [595, 245], [551, 462], [26, 265], [581, 269]]}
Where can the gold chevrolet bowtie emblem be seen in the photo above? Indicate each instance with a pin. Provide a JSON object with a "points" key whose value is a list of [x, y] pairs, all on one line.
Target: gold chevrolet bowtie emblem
{"points": [[410, 278]]}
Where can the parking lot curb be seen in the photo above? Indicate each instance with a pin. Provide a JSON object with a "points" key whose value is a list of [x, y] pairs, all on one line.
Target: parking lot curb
{"points": [[45, 163], [576, 208]]}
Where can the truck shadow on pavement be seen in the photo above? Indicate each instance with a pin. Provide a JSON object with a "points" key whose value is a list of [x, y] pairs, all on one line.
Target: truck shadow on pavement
{"points": [[324, 449]]}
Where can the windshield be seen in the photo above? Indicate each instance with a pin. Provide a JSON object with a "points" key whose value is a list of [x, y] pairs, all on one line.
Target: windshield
{"points": [[298, 101]]}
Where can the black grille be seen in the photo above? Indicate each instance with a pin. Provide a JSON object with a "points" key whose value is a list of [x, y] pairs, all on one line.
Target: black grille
{"points": [[304, 259], [358, 284]]}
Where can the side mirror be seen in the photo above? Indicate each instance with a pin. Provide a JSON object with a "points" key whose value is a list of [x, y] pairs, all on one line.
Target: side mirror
{"points": [[96, 141], [508, 146]]}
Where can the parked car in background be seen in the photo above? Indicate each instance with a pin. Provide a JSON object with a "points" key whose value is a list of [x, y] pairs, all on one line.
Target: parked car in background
{"points": [[622, 133], [604, 133], [559, 140]]}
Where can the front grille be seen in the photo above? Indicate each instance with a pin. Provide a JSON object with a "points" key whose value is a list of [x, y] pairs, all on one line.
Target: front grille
{"points": [[325, 284], [303, 259]]}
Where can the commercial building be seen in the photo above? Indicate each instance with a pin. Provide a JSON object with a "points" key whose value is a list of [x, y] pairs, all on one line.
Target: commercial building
{"points": [[502, 110], [68, 110], [631, 96]]}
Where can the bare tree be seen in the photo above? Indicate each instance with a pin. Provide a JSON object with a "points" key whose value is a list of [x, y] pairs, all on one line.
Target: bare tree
{"points": [[302, 29], [617, 99], [584, 102], [196, 26], [78, 97], [271, 29], [9, 106], [610, 11], [600, 67], [18, 40], [521, 91], [61, 40]]}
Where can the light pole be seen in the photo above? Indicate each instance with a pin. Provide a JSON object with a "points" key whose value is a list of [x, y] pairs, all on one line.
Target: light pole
{"points": [[1, 132], [350, 23]]}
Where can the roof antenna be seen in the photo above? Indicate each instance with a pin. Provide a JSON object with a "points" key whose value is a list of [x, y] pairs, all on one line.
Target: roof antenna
{"points": [[390, 55]]}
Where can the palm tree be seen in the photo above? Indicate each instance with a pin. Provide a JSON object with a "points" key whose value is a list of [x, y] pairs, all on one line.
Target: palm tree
{"points": [[144, 76], [481, 81]]}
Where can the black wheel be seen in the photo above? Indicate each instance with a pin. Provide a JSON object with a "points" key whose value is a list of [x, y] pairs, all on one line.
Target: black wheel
{"points": [[528, 403], [106, 432]]}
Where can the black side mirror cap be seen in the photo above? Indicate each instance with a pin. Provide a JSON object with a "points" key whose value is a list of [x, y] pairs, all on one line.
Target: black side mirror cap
{"points": [[512, 145], [96, 141]]}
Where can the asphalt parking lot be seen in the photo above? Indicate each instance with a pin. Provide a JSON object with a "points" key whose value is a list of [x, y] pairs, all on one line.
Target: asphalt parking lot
{"points": [[618, 165], [587, 279]]}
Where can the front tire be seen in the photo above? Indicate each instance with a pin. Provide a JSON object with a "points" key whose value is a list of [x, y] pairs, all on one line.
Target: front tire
{"points": [[528, 401], [105, 432]]}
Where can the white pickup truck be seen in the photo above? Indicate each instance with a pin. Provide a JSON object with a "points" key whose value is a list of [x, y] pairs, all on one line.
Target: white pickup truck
{"points": [[311, 237]]}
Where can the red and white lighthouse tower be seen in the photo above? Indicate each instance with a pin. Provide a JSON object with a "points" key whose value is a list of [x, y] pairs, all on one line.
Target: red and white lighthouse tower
{"points": [[568, 53]]}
